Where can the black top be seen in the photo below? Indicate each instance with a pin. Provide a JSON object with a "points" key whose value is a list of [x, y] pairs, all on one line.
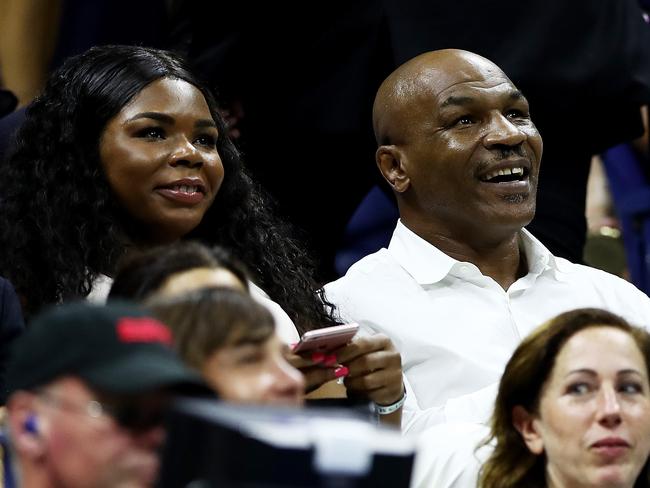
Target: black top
{"points": [[11, 325]]}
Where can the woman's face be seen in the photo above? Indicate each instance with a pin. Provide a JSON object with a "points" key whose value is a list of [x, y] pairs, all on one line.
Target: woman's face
{"points": [[255, 372], [159, 154], [594, 418]]}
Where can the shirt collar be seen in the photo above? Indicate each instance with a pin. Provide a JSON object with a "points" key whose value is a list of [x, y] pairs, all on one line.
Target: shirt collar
{"points": [[427, 264], [540, 259]]}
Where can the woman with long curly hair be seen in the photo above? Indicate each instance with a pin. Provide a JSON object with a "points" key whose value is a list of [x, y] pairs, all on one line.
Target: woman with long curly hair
{"points": [[100, 167], [573, 407], [125, 150]]}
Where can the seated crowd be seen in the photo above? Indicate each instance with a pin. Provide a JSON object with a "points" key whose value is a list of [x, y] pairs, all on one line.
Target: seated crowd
{"points": [[511, 366]]}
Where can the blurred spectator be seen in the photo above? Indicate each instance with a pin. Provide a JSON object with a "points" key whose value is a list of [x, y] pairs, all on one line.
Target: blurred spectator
{"points": [[88, 387], [186, 266], [604, 247], [231, 340], [373, 362]]}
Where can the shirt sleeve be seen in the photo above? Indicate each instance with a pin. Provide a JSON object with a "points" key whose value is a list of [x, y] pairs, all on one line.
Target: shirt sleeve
{"points": [[475, 407], [450, 456]]}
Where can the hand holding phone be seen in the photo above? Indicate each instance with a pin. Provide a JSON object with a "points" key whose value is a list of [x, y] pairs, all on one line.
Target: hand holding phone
{"points": [[327, 339]]}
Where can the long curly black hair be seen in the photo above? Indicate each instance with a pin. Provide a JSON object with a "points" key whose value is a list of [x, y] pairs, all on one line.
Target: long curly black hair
{"points": [[61, 225]]}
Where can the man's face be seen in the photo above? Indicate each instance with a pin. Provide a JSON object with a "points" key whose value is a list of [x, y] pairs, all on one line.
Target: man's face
{"points": [[85, 447], [469, 148]]}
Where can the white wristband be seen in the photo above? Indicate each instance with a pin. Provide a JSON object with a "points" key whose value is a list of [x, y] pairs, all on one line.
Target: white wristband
{"points": [[388, 409]]}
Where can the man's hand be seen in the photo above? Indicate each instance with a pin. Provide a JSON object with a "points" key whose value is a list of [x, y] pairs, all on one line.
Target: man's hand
{"points": [[375, 369], [371, 365]]}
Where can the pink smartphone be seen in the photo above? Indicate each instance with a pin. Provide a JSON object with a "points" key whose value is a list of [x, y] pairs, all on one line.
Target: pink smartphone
{"points": [[327, 339]]}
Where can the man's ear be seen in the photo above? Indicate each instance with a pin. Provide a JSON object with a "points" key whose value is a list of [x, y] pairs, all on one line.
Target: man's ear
{"points": [[391, 164], [527, 425], [24, 425]]}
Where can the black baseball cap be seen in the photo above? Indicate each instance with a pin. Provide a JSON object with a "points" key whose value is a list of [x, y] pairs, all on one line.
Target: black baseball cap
{"points": [[117, 348]]}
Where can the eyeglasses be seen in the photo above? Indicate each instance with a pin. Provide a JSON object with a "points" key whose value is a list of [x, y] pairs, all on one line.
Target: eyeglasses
{"points": [[131, 413]]}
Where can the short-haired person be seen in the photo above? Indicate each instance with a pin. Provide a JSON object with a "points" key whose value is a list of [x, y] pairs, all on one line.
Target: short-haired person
{"points": [[88, 389], [573, 407], [372, 365], [231, 340], [201, 293], [462, 281]]}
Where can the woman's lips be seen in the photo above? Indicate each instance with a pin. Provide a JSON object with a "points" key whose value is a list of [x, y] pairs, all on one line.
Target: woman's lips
{"points": [[611, 448], [190, 191], [182, 194]]}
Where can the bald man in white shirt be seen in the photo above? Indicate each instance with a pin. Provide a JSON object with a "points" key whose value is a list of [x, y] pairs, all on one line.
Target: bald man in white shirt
{"points": [[462, 281]]}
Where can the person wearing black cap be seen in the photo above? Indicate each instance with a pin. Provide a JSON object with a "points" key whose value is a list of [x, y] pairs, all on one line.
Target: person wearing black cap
{"points": [[87, 390]]}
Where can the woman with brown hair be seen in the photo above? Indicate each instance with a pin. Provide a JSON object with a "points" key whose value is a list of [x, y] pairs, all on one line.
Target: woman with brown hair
{"points": [[231, 340], [573, 407]]}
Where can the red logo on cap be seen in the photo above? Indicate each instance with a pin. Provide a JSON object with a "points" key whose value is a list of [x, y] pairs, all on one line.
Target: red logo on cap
{"points": [[143, 329]]}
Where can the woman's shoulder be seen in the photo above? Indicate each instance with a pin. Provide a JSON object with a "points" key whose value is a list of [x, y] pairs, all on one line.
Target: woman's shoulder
{"points": [[284, 326], [101, 287]]}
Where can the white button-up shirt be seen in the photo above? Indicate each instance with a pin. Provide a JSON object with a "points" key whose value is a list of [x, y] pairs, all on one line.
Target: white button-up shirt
{"points": [[450, 456], [456, 328]]}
